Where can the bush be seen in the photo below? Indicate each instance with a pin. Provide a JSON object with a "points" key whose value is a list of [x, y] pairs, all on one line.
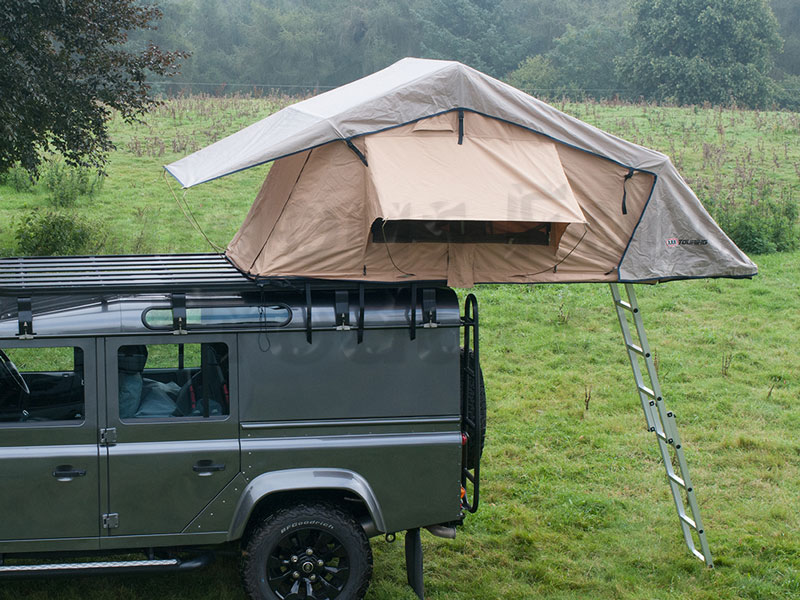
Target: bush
{"points": [[760, 227], [67, 183], [787, 93], [57, 233], [18, 178]]}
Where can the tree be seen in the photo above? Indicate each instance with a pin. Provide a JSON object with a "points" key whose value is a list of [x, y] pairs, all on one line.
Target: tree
{"points": [[64, 66], [693, 51], [788, 15]]}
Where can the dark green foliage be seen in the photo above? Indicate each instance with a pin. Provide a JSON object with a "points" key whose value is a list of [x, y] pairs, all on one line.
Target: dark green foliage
{"points": [[537, 76], [788, 14], [301, 44], [580, 64], [63, 68], [787, 92], [694, 51], [762, 226], [686, 50], [57, 233], [470, 31]]}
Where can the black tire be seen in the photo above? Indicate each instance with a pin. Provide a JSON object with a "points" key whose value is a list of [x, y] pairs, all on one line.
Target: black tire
{"points": [[276, 564], [467, 394]]}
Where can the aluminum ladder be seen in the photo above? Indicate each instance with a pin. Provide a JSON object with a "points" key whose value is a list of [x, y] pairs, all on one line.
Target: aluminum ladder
{"points": [[661, 422]]}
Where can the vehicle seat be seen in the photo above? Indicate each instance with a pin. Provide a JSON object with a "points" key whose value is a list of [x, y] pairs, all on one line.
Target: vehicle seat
{"points": [[208, 383], [131, 361]]}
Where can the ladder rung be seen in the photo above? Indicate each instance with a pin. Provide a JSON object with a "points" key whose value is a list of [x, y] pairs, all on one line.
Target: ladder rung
{"points": [[676, 479], [624, 305], [663, 436], [647, 391], [687, 520], [636, 349], [698, 554]]}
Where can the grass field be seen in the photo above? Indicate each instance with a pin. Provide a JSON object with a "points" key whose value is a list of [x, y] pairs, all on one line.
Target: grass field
{"points": [[575, 502]]}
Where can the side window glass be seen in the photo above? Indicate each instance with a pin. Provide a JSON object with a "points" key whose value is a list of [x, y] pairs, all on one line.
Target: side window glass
{"points": [[221, 316], [173, 381], [41, 384]]}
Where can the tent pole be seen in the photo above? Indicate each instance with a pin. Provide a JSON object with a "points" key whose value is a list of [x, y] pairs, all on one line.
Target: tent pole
{"points": [[661, 422]]}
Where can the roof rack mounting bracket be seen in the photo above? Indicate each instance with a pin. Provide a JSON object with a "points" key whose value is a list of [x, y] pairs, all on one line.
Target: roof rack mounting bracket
{"points": [[342, 307], [179, 314], [25, 316], [429, 308]]}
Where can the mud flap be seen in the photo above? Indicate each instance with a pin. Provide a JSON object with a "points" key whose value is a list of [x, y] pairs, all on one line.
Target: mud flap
{"points": [[414, 562]]}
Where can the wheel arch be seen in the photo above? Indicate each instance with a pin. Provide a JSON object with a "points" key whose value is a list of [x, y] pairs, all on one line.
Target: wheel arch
{"points": [[296, 482]]}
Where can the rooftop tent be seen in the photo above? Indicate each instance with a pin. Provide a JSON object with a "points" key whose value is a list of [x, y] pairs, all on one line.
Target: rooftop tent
{"points": [[430, 170]]}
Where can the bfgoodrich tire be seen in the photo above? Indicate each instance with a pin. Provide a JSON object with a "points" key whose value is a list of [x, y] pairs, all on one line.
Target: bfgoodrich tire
{"points": [[311, 551]]}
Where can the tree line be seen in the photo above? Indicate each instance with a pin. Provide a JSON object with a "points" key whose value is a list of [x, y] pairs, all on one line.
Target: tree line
{"points": [[686, 51]]}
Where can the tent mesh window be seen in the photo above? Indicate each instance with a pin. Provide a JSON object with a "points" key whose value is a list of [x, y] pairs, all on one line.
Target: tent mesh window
{"points": [[461, 232]]}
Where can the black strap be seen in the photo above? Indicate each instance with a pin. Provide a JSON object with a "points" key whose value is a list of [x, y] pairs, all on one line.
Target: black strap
{"points": [[358, 152], [460, 126], [360, 312], [205, 379], [413, 312], [625, 191], [308, 312]]}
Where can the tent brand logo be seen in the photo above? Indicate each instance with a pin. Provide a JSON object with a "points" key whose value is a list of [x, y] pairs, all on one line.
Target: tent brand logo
{"points": [[674, 242]]}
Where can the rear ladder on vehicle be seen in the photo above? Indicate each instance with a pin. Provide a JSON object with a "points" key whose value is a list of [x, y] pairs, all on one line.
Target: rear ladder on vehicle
{"points": [[471, 416], [661, 422]]}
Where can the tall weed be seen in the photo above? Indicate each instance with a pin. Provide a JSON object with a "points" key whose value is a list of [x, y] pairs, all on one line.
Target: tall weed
{"points": [[67, 183]]}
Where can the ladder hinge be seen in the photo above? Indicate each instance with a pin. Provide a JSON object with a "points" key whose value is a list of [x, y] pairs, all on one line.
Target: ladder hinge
{"points": [[110, 520], [108, 436]]}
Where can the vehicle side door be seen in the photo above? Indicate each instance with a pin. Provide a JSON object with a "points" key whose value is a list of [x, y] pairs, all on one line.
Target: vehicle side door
{"points": [[172, 426], [49, 469]]}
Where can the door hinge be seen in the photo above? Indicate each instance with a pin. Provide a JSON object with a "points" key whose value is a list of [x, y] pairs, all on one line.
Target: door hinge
{"points": [[108, 436], [110, 520]]}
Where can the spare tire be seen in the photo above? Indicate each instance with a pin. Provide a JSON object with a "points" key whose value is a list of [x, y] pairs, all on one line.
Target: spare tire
{"points": [[468, 407]]}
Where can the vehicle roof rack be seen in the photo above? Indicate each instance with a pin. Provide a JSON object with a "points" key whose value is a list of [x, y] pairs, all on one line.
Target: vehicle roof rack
{"points": [[121, 273], [199, 273]]}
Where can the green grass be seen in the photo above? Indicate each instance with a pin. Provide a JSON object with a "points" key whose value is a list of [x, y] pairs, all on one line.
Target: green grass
{"points": [[575, 503]]}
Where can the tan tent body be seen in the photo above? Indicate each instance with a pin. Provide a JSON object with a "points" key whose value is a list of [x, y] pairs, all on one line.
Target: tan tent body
{"points": [[460, 192]]}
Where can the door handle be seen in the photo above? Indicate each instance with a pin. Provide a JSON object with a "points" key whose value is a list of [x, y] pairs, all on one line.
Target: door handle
{"points": [[204, 468], [68, 473]]}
